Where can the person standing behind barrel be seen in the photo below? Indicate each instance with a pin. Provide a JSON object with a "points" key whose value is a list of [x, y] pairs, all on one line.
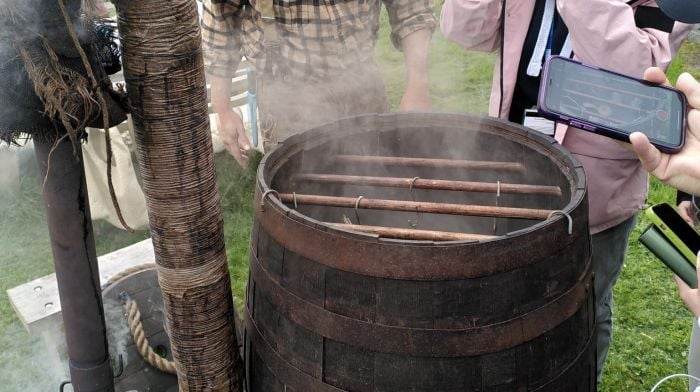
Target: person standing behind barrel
{"points": [[620, 35], [314, 60]]}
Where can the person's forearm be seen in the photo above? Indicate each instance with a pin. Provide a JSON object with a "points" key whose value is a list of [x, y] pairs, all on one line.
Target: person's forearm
{"points": [[415, 47], [220, 93]]}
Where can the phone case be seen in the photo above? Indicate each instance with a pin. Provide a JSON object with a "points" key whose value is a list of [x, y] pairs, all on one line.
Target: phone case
{"points": [[657, 243], [596, 128], [670, 235]]}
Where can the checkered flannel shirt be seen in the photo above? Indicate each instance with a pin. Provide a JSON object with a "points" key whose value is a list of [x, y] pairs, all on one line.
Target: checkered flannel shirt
{"points": [[316, 38]]}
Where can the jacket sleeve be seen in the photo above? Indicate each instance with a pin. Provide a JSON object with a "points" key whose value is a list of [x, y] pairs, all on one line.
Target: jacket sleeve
{"points": [[682, 196], [221, 36], [409, 16], [605, 33], [473, 24]]}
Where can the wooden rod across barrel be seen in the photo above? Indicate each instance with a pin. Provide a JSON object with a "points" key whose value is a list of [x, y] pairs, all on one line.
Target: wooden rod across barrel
{"points": [[413, 234], [431, 162], [411, 206], [420, 183]]}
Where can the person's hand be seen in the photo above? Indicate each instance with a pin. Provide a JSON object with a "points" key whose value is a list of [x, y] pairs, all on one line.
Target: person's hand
{"points": [[691, 297], [681, 170], [416, 98], [232, 133], [687, 212]]}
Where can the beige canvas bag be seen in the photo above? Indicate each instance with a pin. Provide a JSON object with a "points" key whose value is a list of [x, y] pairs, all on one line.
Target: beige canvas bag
{"points": [[126, 187]]}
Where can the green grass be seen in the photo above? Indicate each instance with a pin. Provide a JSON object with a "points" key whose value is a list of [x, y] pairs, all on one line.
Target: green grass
{"points": [[236, 189], [651, 326]]}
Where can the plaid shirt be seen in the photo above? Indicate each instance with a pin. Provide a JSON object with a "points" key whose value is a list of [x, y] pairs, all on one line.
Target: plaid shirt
{"points": [[316, 39]]}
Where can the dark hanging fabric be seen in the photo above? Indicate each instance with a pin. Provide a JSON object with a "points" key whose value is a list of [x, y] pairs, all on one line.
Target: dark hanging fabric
{"points": [[45, 89], [527, 87]]}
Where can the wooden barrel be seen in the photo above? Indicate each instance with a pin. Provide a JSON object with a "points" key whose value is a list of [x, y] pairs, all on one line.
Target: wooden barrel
{"points": [[339, 310]]}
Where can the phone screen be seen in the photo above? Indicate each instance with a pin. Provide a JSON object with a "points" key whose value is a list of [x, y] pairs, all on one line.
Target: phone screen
{"points": [[680, 227], [613, 101]]}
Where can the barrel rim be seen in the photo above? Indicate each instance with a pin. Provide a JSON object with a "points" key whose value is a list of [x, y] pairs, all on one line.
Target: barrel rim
{"points": [[275, 216], [533, 139]]}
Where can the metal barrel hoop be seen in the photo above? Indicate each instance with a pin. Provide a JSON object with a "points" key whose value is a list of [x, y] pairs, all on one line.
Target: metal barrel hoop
{"points": [[498, 204], [264, 195], [560, 212], [357, 205], [413, 224]]}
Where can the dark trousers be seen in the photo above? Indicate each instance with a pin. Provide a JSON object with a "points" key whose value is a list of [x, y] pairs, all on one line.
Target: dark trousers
{"points": [[609, 249]]}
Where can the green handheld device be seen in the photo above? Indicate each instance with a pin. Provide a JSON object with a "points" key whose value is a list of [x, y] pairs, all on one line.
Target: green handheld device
{"points": [[659, 245], [675, 229]]}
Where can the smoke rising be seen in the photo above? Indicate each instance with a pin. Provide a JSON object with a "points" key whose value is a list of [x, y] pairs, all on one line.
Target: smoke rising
{"points": [[118, 334], [32, 362]]}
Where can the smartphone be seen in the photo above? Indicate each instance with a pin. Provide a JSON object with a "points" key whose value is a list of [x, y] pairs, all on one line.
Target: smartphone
{"points": [[659, 245], [675, 229], [611, 104]]}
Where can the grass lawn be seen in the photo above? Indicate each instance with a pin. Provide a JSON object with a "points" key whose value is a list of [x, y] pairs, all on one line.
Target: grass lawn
{"points": [[651, 325]]}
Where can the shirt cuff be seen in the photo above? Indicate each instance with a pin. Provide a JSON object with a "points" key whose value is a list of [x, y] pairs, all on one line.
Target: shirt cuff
{"points": [[681, 197], [408, 28]]}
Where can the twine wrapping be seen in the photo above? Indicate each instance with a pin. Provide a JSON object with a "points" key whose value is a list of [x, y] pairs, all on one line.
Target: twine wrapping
{"points": [[164, 75]]}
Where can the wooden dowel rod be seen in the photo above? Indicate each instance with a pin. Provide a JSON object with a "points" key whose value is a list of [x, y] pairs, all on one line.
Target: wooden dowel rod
{"points": [[420, 183], [413, 234], [431, 162], [411, 206]]}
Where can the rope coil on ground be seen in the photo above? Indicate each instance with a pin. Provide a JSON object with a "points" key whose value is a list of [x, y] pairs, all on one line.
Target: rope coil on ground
{"points": [[133, 317]]}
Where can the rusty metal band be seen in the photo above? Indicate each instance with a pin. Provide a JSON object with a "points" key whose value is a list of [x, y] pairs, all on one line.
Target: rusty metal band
{"points": [[285, 372], [425, 342], [416, 260]]}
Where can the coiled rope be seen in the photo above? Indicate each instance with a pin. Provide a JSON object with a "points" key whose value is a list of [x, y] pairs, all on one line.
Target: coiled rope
{"points": [[133, 317]]}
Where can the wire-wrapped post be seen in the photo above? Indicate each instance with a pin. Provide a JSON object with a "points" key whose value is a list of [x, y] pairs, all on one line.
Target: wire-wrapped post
{"points": [[164, 75]]}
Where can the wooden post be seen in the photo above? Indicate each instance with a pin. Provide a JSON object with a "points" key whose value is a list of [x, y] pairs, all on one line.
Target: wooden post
{"points": [[164, 75]]}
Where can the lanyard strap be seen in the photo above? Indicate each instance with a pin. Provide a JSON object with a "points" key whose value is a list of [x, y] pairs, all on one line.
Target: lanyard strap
{"points": [[535, 65], [545, 39]]}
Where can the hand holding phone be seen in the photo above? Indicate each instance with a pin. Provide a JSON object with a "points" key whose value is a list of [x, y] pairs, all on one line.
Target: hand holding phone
{"points": [[612, 104]]}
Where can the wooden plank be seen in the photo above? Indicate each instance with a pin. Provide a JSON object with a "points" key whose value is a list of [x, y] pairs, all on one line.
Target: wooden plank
{"points": [[38, 300]]}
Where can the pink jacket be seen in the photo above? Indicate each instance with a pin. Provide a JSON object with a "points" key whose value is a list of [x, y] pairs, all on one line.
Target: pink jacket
{"points": [[603, 32]]}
